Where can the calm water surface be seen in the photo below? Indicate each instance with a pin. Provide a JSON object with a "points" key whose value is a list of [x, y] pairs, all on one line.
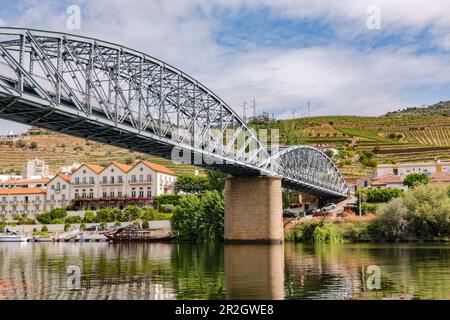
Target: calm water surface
{"points": [[192, 271]]}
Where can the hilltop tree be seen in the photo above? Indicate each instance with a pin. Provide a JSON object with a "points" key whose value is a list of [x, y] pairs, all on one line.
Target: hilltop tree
{"points": [[414, 179]]}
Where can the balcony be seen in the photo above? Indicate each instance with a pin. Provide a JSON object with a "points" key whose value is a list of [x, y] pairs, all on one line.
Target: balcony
{"points": [[81, 183], [143, 181], [111, 183]]}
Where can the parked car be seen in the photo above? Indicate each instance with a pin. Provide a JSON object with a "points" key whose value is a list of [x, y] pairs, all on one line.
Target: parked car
{"points": [[328, 207], [95, 228], [289, 214], [311, 211]]}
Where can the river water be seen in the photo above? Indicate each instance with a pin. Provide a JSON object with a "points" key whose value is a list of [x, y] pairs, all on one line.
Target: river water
{"points": [[193, 271]]}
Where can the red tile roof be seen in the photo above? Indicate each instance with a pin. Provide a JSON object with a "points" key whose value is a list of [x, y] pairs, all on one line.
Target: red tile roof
{"points": [[23, 181], [440, 177], [19, 191], [157, 167], [388, 178], [125, 168]]}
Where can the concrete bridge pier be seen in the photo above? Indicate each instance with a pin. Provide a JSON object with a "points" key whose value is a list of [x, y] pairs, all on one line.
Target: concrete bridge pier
{"points": [[253, 210]]}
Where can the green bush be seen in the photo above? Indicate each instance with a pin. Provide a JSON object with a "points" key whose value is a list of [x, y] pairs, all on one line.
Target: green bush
{"points": [[358, 231], [186, 218], [166, 208], [414, 179], [130, 213], [172, 199], [89, 217], [2, 227], [83, 226], [73, 219], [423, 214], [66, 226], [103, 224], [104, 215], [44, 229], [145, 224], [35, 230], [117, 224], [57, 221], [380, 195], [149, 213], [44, 218], [369, 207]]}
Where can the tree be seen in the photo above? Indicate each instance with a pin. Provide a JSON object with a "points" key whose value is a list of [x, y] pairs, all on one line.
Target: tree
{"points": [[216, 180], [186, 218], [414, 179], [191, 184], [33, 145], [131, 213], [212, 217]]}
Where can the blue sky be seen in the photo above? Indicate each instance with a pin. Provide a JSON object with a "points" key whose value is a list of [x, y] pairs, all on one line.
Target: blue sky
{"points": [[281, 53]]}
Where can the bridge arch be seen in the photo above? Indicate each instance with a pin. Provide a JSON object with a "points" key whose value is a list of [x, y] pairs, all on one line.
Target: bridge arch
{"points": [[112, 94]]}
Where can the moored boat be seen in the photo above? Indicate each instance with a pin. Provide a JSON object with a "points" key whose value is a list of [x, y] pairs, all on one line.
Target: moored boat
{"points": [[13, 238], [140, 235]]}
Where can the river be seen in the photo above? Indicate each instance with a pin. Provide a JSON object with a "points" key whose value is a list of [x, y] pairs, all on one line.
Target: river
{"points": [[193, 271]]}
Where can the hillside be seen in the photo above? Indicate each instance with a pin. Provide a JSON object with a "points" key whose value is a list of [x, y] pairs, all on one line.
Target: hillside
{"points": [[60, 150], [364, 142], [441, 108]]}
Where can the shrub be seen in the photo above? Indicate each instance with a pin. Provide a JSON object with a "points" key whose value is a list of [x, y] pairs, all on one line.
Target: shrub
{"points": [[392, 221], [358, 231], [57, 221], [145, 224], [82, 226], [104, 215], [66, 226], [44, 229], [35, 230], [380, 195], [73, 219], [130, 213], [89, 217], [33, 145], [167, 208], [149, 213], [172, 199], [328, 233], [103, 225], [44, 218], [117, 224], [414, 179]]}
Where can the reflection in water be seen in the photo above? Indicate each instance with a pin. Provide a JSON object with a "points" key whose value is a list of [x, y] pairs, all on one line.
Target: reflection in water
{"points": [[254, 271], [193, 271]]}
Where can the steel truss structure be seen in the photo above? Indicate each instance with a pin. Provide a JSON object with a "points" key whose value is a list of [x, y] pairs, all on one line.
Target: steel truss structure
{"points": [[112, 94]]}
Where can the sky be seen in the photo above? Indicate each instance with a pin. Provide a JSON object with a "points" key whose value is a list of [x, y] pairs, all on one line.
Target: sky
{"points": [[347, 57]]}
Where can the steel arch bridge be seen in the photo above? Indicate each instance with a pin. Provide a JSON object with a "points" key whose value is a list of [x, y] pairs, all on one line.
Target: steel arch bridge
{"points": [[112, 94]]}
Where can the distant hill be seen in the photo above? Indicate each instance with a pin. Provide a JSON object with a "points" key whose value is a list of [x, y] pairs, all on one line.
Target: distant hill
{"points": [[61, 150], [441, 108]]}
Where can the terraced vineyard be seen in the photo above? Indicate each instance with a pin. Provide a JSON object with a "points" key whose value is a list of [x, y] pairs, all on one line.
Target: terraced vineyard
{"points": [[397, 137], [61, 150]]}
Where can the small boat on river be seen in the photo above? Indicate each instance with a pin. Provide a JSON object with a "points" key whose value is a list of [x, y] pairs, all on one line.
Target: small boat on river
{"points": [[13, 238], [131, 234]]}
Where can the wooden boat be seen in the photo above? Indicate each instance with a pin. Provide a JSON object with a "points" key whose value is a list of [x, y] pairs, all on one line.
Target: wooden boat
{"points": [[140, 235]]}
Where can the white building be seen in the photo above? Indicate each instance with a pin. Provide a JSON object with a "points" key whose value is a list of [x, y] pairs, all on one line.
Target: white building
{"points": [[89, 187], [14, 201], [403, 169], [58, 192], [119, 185], [24, 183], [35, 169]]}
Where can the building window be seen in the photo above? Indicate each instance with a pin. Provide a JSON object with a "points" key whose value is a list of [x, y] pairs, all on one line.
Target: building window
{"points": [[149, 178], [77, 180], [36, 208], [91, 180], [53, 187], [63, 197], [112, 180], [105, 194], [119, 179], [77, 195], [64, 187], [104, 179], [58, 186], [141, 193], [83, 193], [141, 178], [111, 194], [133, 193], [133, 178], [91, 193], [52, 197], [149, 193], [84, 180], [119, 194]]}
